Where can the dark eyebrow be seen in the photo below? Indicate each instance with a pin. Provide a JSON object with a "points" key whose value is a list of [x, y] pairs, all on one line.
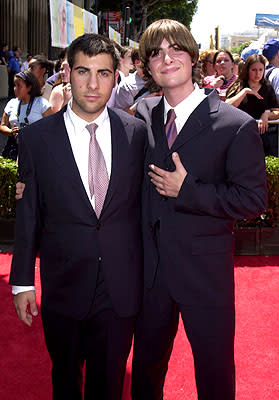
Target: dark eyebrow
{"points": [[88, 69], [81, 67], [105, 70]]}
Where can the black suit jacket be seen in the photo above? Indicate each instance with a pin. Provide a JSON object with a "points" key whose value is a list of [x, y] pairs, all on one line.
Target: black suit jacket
{"points": [[191, 235], [56, 214]]}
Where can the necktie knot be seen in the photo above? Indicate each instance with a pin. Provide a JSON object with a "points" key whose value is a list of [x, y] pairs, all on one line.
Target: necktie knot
{"points": [[92, 128], [170, 116]]}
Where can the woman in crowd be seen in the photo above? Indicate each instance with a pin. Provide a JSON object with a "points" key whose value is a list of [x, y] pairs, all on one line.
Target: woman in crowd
{"points": [[26, 108], [238, 63], [61, 93], [4, 54], [224, 77], [252, 93], [206, 60], [41, 67]]}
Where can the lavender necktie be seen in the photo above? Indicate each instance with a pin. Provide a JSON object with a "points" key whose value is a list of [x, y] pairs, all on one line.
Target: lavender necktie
{"points": [[98, 179], [170, 127]]}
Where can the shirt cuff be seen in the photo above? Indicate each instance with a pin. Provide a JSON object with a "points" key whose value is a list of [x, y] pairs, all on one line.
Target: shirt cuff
{"points": [[20, 289]]}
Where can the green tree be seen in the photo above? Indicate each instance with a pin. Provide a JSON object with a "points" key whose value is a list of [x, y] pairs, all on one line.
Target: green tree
{"points": [[180, 10], [152, 10], [239, 49]]}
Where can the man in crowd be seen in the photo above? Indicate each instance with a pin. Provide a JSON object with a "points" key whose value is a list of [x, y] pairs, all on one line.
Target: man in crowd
{"points": [[130, 86], [13, 68], [125, 62], [206, 169], [82, 169], [271, 52]]}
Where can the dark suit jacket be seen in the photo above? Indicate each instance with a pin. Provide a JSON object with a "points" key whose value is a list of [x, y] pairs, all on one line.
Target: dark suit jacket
{"points": [[191, 235], [56, 213]]}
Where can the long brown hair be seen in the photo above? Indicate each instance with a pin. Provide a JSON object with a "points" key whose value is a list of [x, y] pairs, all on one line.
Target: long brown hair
{"points": [[171, 30], [243, 78]]}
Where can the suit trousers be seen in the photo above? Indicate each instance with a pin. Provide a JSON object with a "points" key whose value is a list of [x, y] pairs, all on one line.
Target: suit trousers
{"points": [[101, 343], [210, 331]]}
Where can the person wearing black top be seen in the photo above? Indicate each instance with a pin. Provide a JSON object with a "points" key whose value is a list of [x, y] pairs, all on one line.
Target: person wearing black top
{"points": [[252, 93]]}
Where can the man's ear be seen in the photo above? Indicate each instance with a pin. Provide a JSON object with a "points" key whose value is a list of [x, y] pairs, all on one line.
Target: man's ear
{"points": [[116, 75]]}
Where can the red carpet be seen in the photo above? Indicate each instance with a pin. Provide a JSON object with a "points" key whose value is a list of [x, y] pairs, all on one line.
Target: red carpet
{"points": [[25, 366]]}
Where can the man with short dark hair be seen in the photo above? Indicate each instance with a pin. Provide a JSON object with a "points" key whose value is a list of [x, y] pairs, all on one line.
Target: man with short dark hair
{"points": [[271, 52], [13, 68], [206, 169], [82, 170]]}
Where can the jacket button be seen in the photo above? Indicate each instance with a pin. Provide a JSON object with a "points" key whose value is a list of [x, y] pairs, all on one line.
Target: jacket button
{"points": [[98, 227]]}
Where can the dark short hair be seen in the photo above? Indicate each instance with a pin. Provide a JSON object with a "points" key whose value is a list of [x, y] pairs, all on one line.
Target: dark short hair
{"points": [[171, 30], [222, 51], [135, 55], [92, 44], [30, 80], [44, 63], [122, 49]]}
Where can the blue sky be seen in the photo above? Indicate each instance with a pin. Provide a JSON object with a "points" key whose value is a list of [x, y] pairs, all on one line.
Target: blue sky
{"points": [[232, 16]]}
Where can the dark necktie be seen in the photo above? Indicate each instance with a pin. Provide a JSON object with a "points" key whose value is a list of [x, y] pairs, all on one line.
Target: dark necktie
{"points": [[98, 179], [170, 127]]}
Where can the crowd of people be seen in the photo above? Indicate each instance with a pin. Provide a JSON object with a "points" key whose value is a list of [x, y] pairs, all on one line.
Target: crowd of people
{"points": [[231, 75], [134, 216]]}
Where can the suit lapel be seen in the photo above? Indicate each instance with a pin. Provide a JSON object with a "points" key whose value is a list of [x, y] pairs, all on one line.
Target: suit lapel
{"points": [[193, 126], [157, 121], [119, 146]]}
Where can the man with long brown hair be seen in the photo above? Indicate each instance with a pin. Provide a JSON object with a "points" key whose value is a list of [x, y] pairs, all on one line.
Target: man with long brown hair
{"points": [[206, 169]]}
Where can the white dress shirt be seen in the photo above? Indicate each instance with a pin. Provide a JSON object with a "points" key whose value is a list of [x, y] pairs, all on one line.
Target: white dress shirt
{"points": [[184, 109], [79, 137], [127, 89]]}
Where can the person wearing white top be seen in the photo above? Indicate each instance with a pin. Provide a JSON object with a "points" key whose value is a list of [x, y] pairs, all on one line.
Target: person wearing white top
{"points": [[26, 108]]}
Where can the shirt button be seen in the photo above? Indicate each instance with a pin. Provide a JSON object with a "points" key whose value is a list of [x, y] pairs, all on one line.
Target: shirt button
{"points": [[100, 259]]}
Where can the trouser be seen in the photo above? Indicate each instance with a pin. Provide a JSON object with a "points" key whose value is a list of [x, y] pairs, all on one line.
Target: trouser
{"points": [[102, 341], [210, 331], [270, 141]]}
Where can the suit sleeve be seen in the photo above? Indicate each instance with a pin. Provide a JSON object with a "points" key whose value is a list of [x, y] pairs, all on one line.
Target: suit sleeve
{"points": [[243, 194], [27, 230]]}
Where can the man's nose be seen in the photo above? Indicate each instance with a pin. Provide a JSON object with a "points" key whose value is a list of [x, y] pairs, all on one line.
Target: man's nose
{"points": [[167, 58], [92, 80]]}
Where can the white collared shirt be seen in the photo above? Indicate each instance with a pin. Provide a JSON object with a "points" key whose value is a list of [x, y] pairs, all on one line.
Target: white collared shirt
{"points": [[184, 109], [79, 138]]}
